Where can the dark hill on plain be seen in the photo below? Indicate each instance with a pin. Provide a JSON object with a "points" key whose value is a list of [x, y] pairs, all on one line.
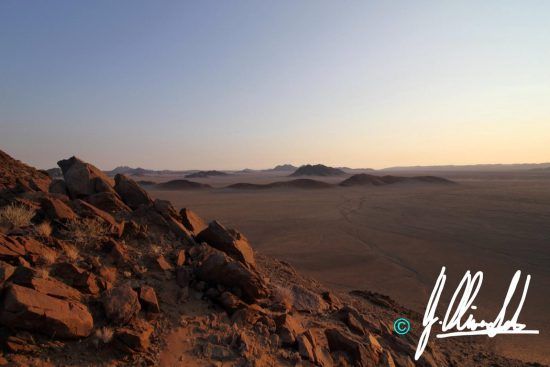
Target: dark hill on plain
{"points": [[205, 174], [282, 168], [317, 170], [181, 185], [302, 183], [364, 179]]}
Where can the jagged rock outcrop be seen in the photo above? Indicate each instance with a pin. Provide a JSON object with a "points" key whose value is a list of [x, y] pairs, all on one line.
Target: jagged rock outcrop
{"points": [[83, 179], [130, 192], [229, 241]]}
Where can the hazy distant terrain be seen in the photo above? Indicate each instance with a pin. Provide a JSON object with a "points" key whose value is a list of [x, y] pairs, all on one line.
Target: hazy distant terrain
{"points": [[394, 239]]}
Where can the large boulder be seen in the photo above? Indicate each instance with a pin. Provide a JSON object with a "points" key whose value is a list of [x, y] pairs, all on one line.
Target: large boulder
{"points": [[55, 209], [83, 179], [76, 277], [229, 241], [30, 278], [109, 202], [121, 304], [130, 192], [218, 268], [25, 308]]}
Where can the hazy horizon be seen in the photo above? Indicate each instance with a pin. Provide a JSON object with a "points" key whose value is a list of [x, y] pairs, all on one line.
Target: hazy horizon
{"points": [[179, 85]]}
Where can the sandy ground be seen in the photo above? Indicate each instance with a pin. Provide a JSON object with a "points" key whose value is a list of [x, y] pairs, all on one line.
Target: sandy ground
{"points": [[395, 240]]}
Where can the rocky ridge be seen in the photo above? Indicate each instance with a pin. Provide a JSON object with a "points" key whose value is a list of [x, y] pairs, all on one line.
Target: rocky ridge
{"points": [[103, 274]]}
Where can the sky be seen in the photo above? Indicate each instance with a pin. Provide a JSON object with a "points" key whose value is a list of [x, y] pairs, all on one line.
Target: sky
{"points": [[253, 84]]}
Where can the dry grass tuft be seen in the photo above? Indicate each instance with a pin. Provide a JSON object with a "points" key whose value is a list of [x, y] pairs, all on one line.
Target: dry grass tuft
{"points": [[43, 229], [283, 296], [71, 252], [43, 273], [16, 216], [86, 230], [104, 335]]}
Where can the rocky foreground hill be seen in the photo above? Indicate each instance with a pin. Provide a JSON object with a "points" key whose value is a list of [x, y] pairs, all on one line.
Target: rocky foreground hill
{"points": [[95, 272]]}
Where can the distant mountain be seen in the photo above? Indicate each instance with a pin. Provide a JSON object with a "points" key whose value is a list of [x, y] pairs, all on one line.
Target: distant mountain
{"points": [[301, 183], [283, 168], [317, 170], [204, 174], [364, 179], [129, 171], [181, 185], [471, 168]]}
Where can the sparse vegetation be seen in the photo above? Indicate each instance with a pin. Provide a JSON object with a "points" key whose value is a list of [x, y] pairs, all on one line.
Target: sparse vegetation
{"points": [[84, 231], [16, 216], [43, 229], [283, 296], [104, 335], [48, 258], [71, 252]]}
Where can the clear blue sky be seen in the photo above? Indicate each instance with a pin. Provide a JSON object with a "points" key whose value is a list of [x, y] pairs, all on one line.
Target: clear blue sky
{"points": [[235, 84]]}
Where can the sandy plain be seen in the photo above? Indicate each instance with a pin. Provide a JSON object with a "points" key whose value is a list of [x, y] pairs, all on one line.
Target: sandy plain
{"points": [[395, 239]]}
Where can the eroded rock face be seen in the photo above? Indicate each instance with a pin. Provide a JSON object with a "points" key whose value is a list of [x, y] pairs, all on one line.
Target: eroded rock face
{"points": [[121, 304], [76, 277], [358, 352], [192, 221], [148, 299], [31, 279], [83, 179], [218, 268], [25, 308], [56, 209], [229, 241], [108, 202], [130, 192]]}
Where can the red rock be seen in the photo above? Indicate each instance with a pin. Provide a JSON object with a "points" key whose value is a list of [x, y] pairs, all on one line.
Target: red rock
{"points": [[6, 271], [148, 299], [192, 221], [76, 277], [87, 210], [288, 328], [16, 176], [229, 241], [121, 304], [131, 193], [180, 258], [358, 352], [31, 279], [108, 202], [36, 250], [10, 248], [83, 179], [25, 308], [56, 209], [117, 251], [216, 267], [135, 338], [306, 300], [305, 348], [163, 264]]}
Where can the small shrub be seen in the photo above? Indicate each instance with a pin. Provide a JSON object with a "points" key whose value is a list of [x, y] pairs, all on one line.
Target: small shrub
{"points": [[283, 296], [43, 229], [104, 335], [16, 216], [86, 230]]}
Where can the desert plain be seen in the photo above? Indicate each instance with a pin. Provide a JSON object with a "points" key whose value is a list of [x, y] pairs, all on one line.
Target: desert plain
{"points": [[395, 239]]}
